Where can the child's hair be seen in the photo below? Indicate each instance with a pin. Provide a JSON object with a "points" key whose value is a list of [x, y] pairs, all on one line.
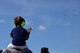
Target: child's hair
{"points": [[18, 20]]}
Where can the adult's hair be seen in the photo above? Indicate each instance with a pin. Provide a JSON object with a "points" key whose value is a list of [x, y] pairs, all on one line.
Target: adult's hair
{"points": [[1, 51], [18, 20], [44, 50]]}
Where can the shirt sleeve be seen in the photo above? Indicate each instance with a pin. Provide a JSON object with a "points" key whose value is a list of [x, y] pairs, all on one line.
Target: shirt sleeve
{"points": [[27, 31], [11, 34], [27, 34]]}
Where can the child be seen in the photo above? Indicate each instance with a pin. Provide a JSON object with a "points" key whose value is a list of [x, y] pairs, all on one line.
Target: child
{"points": [[19, 34]]}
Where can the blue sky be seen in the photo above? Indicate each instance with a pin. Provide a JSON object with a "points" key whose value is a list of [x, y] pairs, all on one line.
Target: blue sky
{"points": [[55, 23]]}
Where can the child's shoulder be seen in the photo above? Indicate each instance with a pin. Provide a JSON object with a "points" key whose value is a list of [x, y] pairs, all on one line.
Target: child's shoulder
{"points": [[19, 28], [24, 28]]}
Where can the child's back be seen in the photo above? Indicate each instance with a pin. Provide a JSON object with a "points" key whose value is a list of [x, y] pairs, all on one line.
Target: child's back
{"points": [[18, 35]]}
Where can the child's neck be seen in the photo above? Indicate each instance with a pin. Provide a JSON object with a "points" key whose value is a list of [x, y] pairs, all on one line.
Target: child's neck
{"points": [[19, 26]]}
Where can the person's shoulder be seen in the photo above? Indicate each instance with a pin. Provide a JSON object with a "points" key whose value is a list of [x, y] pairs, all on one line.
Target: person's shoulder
{"points": [[24, 29], [16, 28], [19, 28], [13, 28]]}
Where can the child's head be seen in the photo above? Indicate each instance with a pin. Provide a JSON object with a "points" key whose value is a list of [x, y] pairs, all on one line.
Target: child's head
{"points": [[19, 21]]}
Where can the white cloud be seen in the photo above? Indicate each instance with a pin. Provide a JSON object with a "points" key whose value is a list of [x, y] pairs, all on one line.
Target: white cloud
{"points": [[2, 21], [42, 27], [47, 20]]}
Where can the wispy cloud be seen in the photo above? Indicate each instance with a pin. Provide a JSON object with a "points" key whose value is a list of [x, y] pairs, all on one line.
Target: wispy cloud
{"points": [[52, 21], [2, 21], [57, 52], [28, 22], [47, 20], [64, 23], [42, 28], [30, 8]]}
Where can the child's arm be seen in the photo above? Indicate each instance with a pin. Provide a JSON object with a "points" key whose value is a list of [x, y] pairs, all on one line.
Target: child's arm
{"points": [[28, 33], [11, 34], [29, 29]]}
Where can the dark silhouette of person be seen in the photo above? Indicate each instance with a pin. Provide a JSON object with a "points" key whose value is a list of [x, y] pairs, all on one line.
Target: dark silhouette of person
{"points": [[0, 51], [44, 50]]}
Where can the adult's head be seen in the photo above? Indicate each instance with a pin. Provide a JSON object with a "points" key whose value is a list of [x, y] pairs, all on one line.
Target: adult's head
{"points": [[19, 21], [44, 50], [1, 51]]}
